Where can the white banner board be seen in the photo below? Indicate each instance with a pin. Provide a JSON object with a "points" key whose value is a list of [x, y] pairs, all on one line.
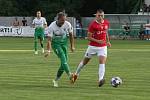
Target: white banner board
{"points": [[17, 31]]}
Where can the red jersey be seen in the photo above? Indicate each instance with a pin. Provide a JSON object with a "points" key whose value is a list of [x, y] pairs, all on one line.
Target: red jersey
{"points": [[99, 31]]}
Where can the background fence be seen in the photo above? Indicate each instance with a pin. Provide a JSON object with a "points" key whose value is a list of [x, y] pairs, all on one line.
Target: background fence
{"points": [[117, 21]]}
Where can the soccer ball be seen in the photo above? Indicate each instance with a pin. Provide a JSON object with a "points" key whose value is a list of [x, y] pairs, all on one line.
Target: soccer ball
{"points": [[116, 81]]}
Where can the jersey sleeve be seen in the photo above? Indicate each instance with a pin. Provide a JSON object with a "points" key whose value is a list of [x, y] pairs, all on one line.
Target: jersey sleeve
{"points": [[44, 21], [50, 31], [90, 28]]}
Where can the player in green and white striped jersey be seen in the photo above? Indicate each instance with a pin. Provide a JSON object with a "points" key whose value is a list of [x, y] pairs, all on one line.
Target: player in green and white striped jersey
{"points": [[39, 23], [58, 33]]}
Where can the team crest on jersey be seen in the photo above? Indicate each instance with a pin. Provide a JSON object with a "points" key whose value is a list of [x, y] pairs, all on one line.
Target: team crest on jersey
{"points": [[57, 32]]}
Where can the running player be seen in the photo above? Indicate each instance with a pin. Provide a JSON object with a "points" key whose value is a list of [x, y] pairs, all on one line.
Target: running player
{"points": [[58, 33], [99, 40], [39, 23]]}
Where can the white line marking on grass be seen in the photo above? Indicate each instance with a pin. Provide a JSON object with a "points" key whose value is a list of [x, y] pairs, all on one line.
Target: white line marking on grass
{"points": [[15, 50], [80, 50], [134, 50]]}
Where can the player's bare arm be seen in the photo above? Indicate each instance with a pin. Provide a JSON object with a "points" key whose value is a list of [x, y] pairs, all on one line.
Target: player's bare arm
{"points": [[33, 25], [48, 46], [45, 25], [90, 38], [108, 40], [71, 38]]}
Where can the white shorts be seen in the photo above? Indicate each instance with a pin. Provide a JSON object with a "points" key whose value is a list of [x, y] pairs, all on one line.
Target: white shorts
{"points": [[99, 51]]}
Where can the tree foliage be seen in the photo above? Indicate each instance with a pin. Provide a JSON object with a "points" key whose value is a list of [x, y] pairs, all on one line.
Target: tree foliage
{"points": [[72, 7], [8, 8]]}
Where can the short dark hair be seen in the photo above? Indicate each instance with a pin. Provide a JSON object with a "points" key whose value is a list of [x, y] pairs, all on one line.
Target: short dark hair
{"points": [[60, 14], [100, 10]]}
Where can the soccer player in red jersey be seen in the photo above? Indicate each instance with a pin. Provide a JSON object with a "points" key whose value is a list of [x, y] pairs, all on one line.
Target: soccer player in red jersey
{"points": [[98, 42]]}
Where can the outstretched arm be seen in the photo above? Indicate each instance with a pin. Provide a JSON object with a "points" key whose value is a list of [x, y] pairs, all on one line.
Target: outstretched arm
{"points": [[71, 38], [48, 46], [108, 40]]}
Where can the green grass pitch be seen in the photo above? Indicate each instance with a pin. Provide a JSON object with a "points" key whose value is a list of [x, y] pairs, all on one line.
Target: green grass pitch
{"points": [[25, 76]]}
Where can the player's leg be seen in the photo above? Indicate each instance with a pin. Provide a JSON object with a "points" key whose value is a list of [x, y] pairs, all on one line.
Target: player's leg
{"points": [[41, 43], [59, 74], [102, 61], [102, 55], [85, 60], [64, 59], [148, 34], [60, 53], [42, 39], [35, 43], [80, 67], [64, 48], [82, 64]]}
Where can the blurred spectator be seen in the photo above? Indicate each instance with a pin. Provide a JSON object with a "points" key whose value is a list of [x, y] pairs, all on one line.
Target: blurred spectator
{"points": [[78, 29], [148, 8], [145, 7], [16, 22], [126, 30], [141, 32], [147, 30], [24, 22]]}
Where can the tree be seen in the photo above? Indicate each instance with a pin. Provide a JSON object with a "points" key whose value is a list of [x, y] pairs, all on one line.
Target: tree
{"points": [[52, 7], [72, 7], [27, 7], [7, 8]]}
